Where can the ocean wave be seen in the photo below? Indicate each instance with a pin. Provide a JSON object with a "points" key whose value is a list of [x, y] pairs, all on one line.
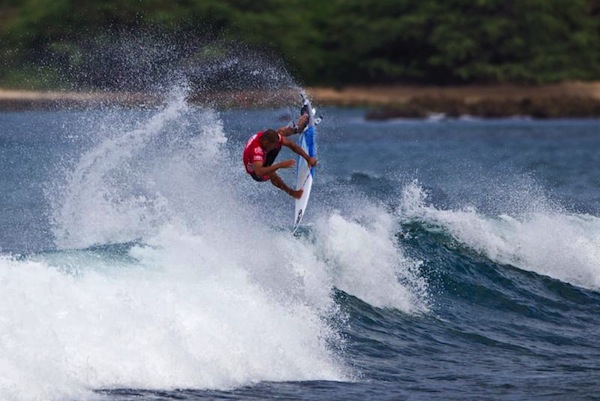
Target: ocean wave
{"points": [[166, 276], [547, 241]]}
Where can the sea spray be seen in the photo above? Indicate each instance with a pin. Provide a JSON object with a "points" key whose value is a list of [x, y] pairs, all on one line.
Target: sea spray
{"points": [[192, 303], [111, 194], [167, 275]]}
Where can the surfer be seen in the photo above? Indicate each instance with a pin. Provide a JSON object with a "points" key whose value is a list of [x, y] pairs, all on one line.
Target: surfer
{"points": [[262, 149]]}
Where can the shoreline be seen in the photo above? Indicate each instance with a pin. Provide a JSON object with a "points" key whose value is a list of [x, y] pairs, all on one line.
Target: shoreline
{"points": [[563, 100], [25, 100]]}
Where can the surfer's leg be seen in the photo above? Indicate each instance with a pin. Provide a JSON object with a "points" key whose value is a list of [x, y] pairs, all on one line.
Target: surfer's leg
{"points": [[278, 182]]}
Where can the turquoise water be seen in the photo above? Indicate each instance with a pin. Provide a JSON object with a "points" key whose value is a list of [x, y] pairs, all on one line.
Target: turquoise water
{"points": [[454, 259]]}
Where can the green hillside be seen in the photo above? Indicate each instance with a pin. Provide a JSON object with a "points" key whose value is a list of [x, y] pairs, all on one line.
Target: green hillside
{"points": [[334, 42]]}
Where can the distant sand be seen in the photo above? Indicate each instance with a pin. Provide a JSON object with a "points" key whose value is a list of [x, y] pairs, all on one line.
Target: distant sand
{"points": [[17, 100], [499, 96]]}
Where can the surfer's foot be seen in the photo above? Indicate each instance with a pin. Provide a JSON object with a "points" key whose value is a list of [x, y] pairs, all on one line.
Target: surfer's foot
{"points": [[297, 194]]}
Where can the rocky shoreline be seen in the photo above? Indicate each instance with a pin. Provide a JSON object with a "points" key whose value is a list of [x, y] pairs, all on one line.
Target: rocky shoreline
{"points": [[542, 108], [565, 100]]}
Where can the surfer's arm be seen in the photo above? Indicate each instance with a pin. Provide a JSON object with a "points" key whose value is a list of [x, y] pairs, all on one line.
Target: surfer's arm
{"points": [[298, 150], [261, 170]]}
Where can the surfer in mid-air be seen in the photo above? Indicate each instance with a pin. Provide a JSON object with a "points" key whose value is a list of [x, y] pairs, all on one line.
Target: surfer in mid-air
{"points": [[262, 149]]}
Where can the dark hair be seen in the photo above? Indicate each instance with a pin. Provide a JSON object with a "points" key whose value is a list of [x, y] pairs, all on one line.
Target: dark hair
{"points": [[270, 136]]}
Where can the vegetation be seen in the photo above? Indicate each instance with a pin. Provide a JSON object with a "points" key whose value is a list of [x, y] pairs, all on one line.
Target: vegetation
{"points": [[334, 42]]}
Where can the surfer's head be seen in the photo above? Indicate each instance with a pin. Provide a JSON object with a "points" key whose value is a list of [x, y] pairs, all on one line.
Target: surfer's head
{"points": [[269, 140]]}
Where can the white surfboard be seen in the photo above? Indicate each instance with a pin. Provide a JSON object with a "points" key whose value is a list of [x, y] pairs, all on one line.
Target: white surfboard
{"points": [[305, 176]]}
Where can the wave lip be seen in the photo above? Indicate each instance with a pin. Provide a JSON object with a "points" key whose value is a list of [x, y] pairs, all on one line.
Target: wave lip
{"points": [[366, 261], [550, 242]]}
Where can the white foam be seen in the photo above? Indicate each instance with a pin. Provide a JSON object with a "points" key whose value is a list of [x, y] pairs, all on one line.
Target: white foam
{"points": [[175, 320], [548, 241], [365, 260]]}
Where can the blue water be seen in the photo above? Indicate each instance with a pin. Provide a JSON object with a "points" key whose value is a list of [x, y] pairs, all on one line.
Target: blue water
{"points": [[454, 259]]}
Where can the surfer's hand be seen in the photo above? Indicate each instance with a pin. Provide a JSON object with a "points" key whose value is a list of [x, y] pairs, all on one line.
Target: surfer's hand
{"points": [[288, 163], [312, 162]]}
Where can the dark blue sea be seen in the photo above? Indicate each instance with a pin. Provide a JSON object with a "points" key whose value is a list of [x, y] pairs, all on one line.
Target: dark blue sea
{"points": [[438, 259]]}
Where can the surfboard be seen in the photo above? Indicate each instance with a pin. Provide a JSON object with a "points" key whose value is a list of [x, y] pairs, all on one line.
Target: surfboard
{"points": [[305, 174]]}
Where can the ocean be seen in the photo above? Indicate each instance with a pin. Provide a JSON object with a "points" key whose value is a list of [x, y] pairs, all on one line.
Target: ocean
{"points": [[438, 259]]}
